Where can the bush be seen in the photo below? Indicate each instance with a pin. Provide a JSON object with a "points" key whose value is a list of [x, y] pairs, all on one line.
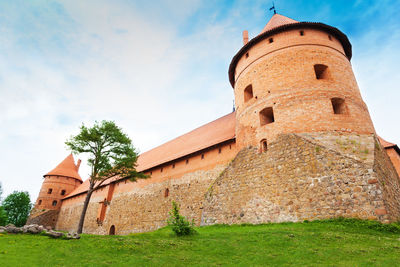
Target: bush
{"points": [[179, 224]]}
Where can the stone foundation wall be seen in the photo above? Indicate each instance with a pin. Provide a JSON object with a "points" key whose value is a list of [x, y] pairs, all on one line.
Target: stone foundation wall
{"points": [[143, 208], [308, 176], [45, 218]]}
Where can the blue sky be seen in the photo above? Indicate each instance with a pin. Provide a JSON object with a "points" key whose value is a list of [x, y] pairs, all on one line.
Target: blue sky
{"points": [[157, 68]]}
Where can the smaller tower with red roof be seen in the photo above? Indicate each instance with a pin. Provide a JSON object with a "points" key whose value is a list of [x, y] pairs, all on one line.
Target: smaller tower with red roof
{"points": [[57, 183]]}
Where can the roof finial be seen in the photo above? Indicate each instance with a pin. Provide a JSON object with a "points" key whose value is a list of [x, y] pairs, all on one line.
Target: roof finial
{"points": [[273, 8]]}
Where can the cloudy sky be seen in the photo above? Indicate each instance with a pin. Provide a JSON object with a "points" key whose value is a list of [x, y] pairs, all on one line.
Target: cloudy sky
{"points": [[157, 68]]}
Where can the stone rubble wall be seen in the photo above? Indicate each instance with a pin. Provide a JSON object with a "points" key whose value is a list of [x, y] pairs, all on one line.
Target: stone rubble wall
{"points": [[144, 208], [306, 177], [47, 218]]}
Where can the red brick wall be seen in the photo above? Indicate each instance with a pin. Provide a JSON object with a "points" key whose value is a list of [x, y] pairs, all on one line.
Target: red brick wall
{"points": [[283, 77]]}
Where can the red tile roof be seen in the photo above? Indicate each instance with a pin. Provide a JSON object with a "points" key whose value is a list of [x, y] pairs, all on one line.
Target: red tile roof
{"points": [[66, 168], [385, 143], [276, 21], [210, 134]]}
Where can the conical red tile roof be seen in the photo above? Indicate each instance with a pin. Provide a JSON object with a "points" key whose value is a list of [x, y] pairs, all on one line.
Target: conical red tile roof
{"points": [[66, 168], [276, 21]]}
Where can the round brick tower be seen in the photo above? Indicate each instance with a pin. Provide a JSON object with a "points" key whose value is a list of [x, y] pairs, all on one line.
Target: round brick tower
{"points": [[57, 184], [295, 77]]}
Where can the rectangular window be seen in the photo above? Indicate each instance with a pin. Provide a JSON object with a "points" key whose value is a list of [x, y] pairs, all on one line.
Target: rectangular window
{"points": [[266, 116], [338, 105]]}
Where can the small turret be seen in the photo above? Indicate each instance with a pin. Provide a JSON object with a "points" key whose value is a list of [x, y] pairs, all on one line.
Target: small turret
{"points": [[58, 183]]}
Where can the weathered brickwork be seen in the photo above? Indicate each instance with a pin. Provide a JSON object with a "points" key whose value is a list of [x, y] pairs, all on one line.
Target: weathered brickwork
{"points": [[283, 78], [300, 178]]}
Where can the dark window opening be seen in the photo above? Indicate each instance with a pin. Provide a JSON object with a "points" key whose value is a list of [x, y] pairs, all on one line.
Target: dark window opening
{"points": [[49, 191], [161, 170], [247, 55], [187, 161], [321, 71], [173, 166], [202, 156], [248, 93], [301, 33], [330, 37], [219, 150], [263, 145], [266, 116], [62, 192], [166, 192], [112, 230], [40, 202], [271, 40], [151, 173], [54, 203], [338, 105], [230, 146]]}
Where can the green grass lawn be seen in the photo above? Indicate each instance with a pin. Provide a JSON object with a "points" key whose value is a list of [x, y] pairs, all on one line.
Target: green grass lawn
{"points": [[319, 243]]}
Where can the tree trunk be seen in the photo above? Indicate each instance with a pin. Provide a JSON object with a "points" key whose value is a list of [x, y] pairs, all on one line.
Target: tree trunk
{"points": [[85, 206]]}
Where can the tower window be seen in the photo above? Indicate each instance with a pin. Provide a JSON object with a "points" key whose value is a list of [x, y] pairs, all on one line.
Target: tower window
{"points": [[321, 71], [40, 202], [202, 156], [247, 55], [301, 33], [271, 40], [54, 203], [173, 166], [248, 93], [166, 192], [49, 191], [330, 37], [219, 150], [161, 170], [266, 116], [263, 145], [62, 192], [338, 105], [187, 161]]}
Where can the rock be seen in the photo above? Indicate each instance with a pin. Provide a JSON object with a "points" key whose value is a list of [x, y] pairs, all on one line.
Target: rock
{"points": [[73, 236], [54, 234], [12, 229], [2, 230]]}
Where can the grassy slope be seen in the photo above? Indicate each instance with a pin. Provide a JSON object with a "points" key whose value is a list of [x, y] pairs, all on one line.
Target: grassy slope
{"points": [[334, 243]]}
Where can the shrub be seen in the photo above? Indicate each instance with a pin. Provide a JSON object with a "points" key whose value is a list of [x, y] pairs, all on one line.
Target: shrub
{"points": [[179, 224]]}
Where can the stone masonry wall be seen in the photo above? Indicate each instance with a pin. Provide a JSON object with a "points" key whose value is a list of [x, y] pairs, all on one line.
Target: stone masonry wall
{"points": [[304, 177], [45, 218], [143, 208]]}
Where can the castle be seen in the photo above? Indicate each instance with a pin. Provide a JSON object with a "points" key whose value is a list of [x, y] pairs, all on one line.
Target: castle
{"points": [[300, 145]]}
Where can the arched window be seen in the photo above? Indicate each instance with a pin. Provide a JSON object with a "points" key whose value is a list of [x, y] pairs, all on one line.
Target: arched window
{"points": [[112, 230], [321, 71], [62, 192], [50, 191], [54, 203], [263, 145], [266, 116], [248, 93], [338, 105], [40, 202]]}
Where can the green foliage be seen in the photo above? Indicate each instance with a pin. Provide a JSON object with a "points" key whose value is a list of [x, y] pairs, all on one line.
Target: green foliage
{"points": [[179, 224], [317, 243], [110, 151], [17, 207], [3, 216]]}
